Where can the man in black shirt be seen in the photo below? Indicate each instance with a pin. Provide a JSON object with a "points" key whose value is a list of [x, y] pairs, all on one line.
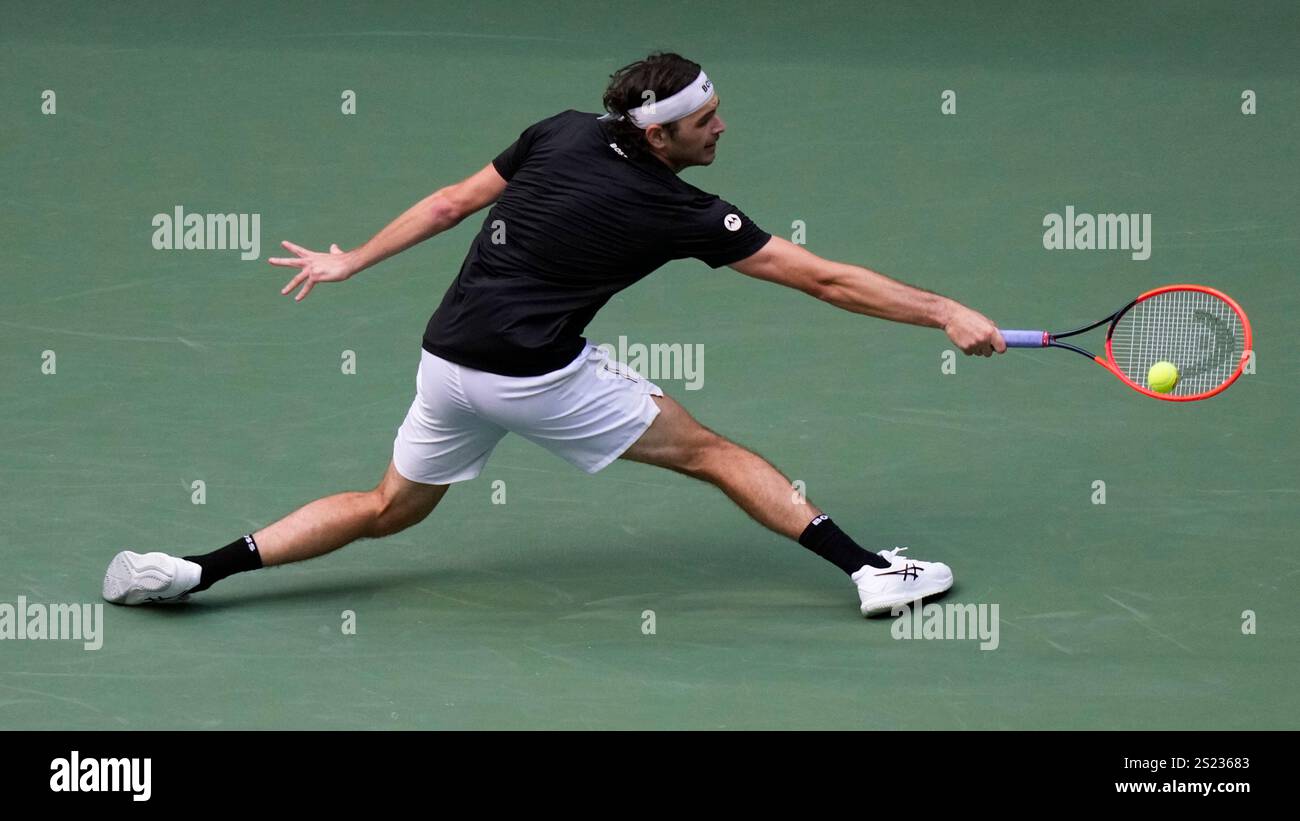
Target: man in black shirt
{"points": [[579, 221], [583, 205]]}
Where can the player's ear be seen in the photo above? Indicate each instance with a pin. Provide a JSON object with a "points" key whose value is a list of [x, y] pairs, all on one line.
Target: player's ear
{"points": [[656, 136]]}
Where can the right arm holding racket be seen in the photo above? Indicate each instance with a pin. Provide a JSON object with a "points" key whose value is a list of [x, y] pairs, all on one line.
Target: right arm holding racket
{"points": [[863, 291], [441, 210], [1197, 333]]}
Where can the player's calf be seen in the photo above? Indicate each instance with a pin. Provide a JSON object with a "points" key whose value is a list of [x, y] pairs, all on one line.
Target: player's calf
{"points": [[678, 442], [313, 530]]}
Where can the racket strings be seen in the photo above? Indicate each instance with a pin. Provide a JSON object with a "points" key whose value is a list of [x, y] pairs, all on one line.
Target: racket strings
{"points": [[1198, 332]]}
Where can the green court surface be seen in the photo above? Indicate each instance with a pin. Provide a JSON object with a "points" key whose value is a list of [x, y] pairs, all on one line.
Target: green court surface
{"points": [[181, 366]]}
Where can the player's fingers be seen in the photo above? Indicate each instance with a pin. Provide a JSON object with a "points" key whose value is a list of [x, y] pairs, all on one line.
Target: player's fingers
{"points": [[297, 249], [288, 262], [293, 283], [334, 249], [306, 289], [999, 344]]}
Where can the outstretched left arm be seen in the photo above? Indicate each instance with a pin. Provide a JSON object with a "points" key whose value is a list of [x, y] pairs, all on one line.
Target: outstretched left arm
{"points": [[442, 209]]}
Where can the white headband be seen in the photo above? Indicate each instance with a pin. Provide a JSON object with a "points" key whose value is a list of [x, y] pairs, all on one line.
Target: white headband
{"points": [[682, 104]]}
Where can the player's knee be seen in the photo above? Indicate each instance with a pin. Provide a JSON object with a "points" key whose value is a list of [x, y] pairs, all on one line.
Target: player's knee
{"points": [[705, 455], [394, 514]]}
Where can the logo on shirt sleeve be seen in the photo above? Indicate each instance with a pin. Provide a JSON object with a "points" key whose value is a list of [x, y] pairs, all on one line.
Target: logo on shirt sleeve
{"points": [[732, 222]]}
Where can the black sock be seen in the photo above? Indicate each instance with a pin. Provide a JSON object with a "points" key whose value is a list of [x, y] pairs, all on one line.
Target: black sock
{"points": [[823, 537], [236, 557]]}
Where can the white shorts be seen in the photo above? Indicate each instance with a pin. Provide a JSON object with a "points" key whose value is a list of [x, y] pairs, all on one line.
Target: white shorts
{"points": [[588, 413]]}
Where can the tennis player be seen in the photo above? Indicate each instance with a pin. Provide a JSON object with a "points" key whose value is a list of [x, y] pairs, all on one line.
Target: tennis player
{"points": [[582, 206]]}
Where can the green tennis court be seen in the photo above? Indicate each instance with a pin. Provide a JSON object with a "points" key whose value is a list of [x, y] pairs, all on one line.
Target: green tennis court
{"points": [[171, 367]]}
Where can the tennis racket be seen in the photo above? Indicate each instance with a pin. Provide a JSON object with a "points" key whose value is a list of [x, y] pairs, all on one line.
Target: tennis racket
{"points": [[1203, 332]]}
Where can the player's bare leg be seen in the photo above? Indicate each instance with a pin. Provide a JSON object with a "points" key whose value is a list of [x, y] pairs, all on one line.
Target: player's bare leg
{"points": [[327, 524], [678, 442], [315, 529], [675, 440]]}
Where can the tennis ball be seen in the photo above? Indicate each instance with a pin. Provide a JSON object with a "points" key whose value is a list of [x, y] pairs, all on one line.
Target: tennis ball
{"points": [[1162, 377]]}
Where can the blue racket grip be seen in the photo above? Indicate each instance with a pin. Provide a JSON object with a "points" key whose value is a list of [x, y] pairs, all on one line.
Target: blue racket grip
{"points": [[1024, 339]]}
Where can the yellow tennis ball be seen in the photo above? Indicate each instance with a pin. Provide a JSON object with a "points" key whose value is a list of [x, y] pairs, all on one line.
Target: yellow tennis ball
{"points": [[1162, 377]]}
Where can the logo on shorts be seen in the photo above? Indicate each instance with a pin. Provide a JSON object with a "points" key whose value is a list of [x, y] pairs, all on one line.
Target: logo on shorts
{"points": [[732, 222]]}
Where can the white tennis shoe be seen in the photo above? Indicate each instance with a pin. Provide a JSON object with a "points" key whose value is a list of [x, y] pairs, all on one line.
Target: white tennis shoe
{"points": [[142, 578], [881, 589]]}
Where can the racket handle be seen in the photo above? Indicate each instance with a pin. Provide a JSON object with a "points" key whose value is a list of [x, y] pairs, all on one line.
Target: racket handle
{"points": [[1025, 339]]}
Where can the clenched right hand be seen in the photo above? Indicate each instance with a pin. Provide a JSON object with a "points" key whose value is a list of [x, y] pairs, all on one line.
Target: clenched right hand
{"points": [[974, 333]]}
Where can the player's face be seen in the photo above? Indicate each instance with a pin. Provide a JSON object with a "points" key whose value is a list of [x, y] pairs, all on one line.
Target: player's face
{"points": [[695, 140]]}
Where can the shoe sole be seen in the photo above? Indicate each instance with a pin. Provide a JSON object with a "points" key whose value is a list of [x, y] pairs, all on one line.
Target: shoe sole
{"points": [[882, 607], [130, 572]]}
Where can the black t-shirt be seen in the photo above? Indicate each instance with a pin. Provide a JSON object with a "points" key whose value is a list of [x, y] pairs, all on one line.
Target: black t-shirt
{"points": [[578, 222]]}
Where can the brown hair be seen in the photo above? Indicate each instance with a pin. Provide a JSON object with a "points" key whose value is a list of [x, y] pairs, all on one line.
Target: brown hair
{"points": [[662, 73]]}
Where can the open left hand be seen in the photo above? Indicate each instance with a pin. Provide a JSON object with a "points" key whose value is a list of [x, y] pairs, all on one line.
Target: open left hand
{"points": [[314, 267]]}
